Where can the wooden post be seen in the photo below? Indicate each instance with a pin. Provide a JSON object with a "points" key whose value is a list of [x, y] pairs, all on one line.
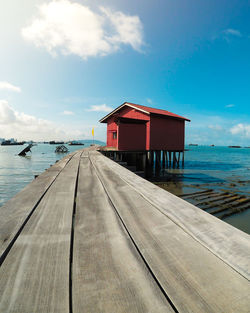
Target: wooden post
{"points": [[153, 162], [157, 163], [131, 159], [139, 161], [178, 162], [149, 164], [174, 159], [163, 159], [124, 157], [166, 155], [183, 158], [143, 160], [169, 154]]}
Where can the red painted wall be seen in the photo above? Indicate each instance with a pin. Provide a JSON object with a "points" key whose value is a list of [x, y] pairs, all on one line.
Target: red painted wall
{"points": [[129, 112], [126, 112], [132, 136], [166, 133], [111, 128], [158, 133]]}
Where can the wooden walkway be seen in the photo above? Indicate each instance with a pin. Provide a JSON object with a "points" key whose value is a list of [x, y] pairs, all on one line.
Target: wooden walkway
{"points": [[88, 235]]}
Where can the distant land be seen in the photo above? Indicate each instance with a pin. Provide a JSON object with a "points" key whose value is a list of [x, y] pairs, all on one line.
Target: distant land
{"points": [[90, 141]]}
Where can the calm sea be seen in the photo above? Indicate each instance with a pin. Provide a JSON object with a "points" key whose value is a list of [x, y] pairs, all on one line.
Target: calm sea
{"points": [[218, 168], [221, 169], [16, 172]]}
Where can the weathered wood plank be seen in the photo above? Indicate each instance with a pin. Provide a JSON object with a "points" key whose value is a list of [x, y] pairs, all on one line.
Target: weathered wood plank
{"points": [[18, 209], [108, 273], [35, 273], [222, 239], [194, 278]]}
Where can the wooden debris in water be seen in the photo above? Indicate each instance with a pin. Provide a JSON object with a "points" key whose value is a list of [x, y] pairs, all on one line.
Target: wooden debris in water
{"points": [[25, 150], [61, 149], [215, 202]]}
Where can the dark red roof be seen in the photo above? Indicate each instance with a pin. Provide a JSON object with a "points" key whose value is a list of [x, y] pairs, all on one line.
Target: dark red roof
{"points": [[145, 109], [157, 111]]}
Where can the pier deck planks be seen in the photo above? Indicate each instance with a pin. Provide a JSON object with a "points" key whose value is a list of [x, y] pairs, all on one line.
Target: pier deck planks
{"points": [[189, 273], [35, 273], [222, 239], [17, 210], [108, 273], [132, 247]]}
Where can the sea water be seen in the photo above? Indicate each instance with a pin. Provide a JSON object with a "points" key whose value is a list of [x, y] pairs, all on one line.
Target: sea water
{"points": [[218, 168], [17, 171], [205, 167]]}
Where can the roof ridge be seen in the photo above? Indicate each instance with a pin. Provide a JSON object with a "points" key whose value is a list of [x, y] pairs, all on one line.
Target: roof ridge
{"points": [[145, 109], [156, 109]]}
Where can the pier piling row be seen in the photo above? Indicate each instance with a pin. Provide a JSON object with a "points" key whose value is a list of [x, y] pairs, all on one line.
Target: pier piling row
{"points": [[88, 235], [151, 162]]}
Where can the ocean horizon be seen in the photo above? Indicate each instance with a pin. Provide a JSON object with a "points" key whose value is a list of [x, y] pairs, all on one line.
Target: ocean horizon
{"points": [[217, 168]]}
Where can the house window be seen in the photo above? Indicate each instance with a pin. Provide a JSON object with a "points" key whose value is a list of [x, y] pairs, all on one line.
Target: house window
{"points": [[114, 135]]}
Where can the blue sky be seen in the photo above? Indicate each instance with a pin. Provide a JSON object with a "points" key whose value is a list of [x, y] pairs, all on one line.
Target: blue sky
{"points": [[66, 63]]}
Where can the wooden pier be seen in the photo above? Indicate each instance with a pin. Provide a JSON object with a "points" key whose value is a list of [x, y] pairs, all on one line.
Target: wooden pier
{"points": [[88, 235]]}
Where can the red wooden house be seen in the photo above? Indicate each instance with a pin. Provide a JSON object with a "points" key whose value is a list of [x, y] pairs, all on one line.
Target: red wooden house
{"points": [[133, 127]]}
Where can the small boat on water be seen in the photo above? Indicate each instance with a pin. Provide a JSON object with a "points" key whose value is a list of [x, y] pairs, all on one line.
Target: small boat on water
{"points": [[12, 143], [56, 142], [234, 146], [193, 144], [74, 143]]}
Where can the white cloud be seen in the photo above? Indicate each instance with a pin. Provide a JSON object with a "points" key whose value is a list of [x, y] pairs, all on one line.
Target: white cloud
{"points": [[68, 113], [149, 101], [241, 129], [229, 105], [100, 108], [7, 86], [72, 28], [14, 124], [233, 32], [128, 29]]}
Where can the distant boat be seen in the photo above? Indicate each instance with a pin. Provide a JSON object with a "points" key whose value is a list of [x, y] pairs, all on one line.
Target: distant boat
{"points": [[211, 145], [72, 143], [56, 142], [12, 143], [234, 146], [193, 144]]}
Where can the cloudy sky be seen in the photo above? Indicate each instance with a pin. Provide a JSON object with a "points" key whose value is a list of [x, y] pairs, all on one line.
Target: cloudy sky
{"points": [[64, 64]]}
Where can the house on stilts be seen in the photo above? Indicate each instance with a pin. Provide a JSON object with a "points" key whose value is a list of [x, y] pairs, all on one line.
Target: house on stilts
{"points": [[140, 129]]}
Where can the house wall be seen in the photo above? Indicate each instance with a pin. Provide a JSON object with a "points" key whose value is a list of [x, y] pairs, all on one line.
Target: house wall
{"points": [[132, 136], [124, 140], [111, 128], [166, 133]]}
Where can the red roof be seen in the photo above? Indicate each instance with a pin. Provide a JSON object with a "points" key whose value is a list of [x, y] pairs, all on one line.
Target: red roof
{"points": [[145, 109], [157, 111]]}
